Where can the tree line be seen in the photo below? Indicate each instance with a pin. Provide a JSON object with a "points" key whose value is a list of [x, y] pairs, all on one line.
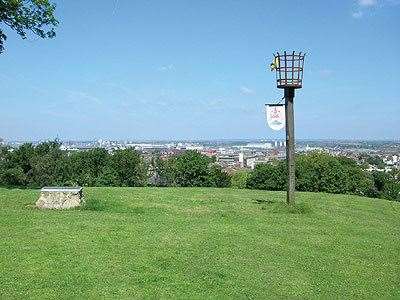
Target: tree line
{"points": [[322, 172], [46, 164]]}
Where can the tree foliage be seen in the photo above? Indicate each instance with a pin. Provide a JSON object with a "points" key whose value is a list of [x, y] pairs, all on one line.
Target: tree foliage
{"points": [[87, 167], [239, 179], [190, 168], [321, 172], [271, 176], [24, 16], [373, 160], [387, 185], [45, 164], [127, 168], [218, 177]]}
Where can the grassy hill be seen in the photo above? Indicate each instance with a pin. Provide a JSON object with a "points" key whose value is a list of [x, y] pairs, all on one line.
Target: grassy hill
{"points": [[199, 242]]}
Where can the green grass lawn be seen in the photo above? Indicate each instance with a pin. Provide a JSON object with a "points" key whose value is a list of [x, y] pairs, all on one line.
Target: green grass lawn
{"points": [[199, 243]]}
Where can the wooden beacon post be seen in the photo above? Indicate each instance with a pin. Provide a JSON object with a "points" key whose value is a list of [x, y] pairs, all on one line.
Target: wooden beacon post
{"points": [[289, 76]]}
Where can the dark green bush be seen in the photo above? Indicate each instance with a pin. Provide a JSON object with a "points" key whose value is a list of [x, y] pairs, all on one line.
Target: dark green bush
{"points": [[127, 168], [315, 172], [239, 179], [386, 185], [13, 177], [46, 165], [190, 168], [88, 166], [271, 176], [321, 172], [218, 177]]}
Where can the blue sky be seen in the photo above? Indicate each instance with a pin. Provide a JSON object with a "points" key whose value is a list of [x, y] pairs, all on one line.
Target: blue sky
{"points": [[198, 70]]}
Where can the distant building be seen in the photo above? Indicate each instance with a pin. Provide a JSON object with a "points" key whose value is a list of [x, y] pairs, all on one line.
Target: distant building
{"points": [[252, 162], [194, 147], [242, 161], [258, 146], [209, 152], [227, 160]]}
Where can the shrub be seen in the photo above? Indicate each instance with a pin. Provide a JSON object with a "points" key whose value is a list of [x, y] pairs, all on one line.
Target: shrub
{"points": [[13, 177], [49, 166], [386, 185], [239, 179], [218, 177], [315, 172], [30, 166], [270, 176], [190, 168], [321, 172], [391, 191], [46, 164], [163, 172], [127, 168], [87, 167]]}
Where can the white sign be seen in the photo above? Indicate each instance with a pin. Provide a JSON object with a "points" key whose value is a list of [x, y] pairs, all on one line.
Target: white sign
{"points": [[275, 116]]}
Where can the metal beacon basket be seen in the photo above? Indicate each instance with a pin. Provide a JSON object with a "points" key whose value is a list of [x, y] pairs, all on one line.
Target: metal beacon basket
{"points": [[289, 70]]}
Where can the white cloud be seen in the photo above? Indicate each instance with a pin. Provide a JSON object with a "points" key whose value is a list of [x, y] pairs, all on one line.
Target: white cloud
{"points": [[364, 6], [357, 14], [246, 91], [165, 68], [367, 3], [215, 104]]}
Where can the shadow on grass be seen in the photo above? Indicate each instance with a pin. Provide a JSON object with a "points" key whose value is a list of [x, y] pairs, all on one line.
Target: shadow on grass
{"points": [[94, 204], [281, 207], [263, 201], [297, 208]]}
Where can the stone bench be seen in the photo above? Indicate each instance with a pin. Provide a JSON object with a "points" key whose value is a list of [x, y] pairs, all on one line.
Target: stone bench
{"points": [[60, 197]]}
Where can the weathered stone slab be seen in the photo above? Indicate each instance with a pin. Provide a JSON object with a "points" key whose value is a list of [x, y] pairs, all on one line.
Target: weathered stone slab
{"points": [[60, 197]]}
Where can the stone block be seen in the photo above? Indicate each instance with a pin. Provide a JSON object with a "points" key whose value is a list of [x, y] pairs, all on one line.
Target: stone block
{"points": [[60, 197]]}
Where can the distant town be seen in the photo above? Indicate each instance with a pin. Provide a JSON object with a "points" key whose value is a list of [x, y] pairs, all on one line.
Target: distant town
{"points": [[239, 154]]}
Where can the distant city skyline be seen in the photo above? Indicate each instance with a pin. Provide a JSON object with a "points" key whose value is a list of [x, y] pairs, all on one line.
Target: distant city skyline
{"points": [[201, 141], [241, 154], [180, 70]]}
